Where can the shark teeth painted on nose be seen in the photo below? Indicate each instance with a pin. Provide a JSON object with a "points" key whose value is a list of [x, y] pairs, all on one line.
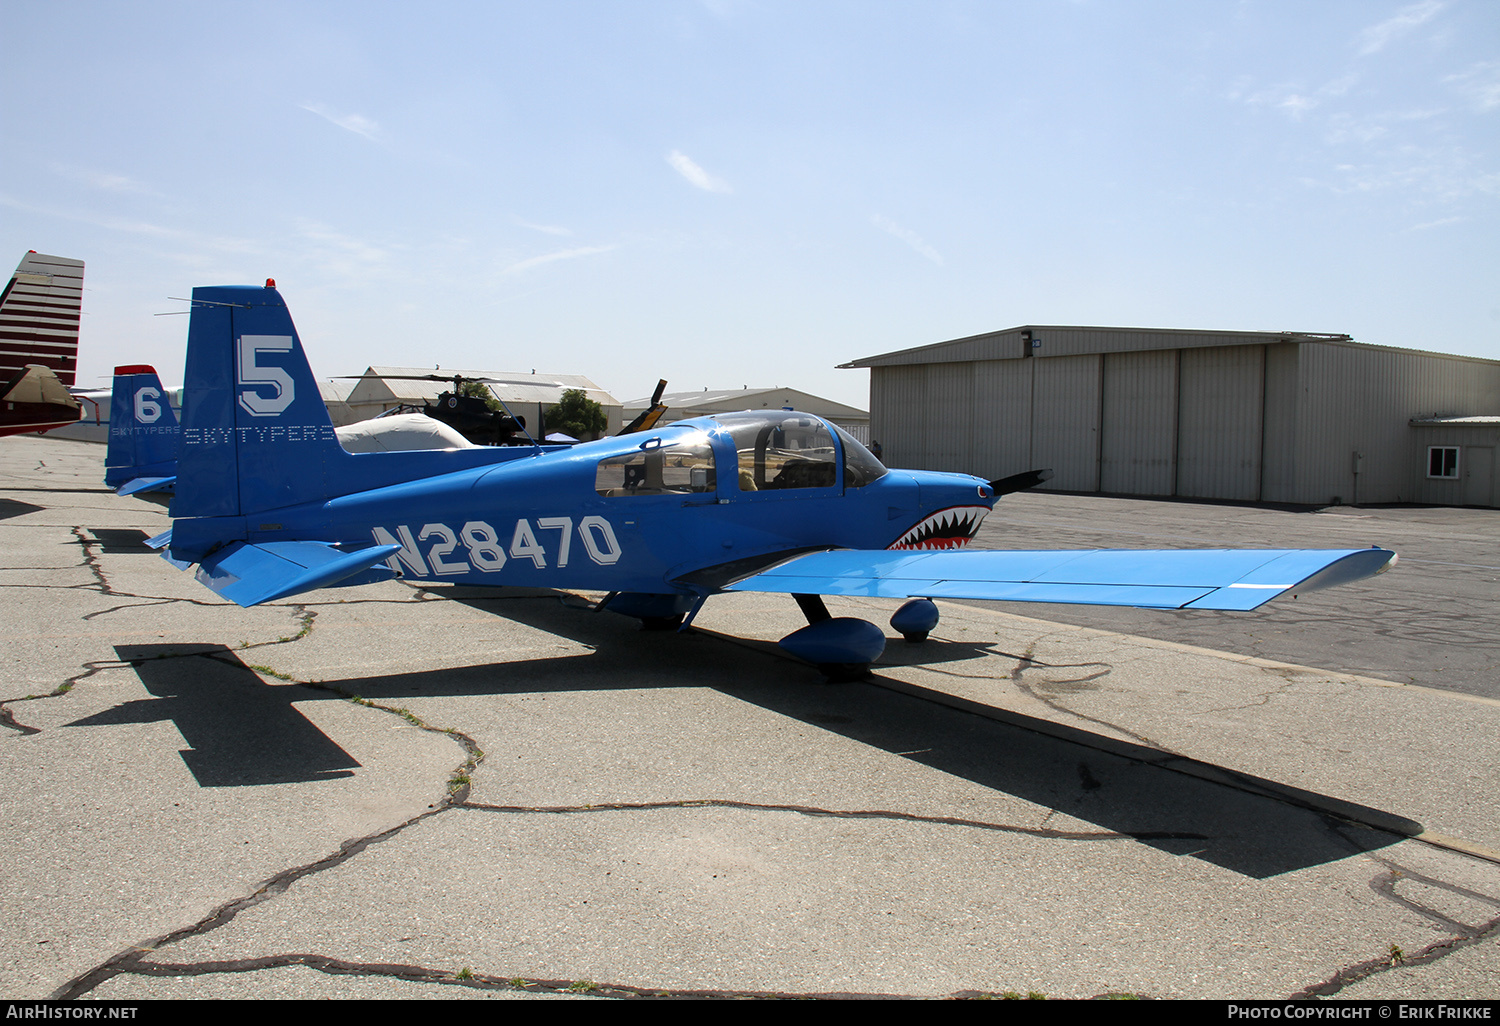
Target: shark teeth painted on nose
{"points": [[947, 529]]}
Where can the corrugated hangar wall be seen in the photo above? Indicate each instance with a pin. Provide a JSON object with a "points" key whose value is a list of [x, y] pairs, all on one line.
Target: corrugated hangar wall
{"points": [[1174, 422], [1279, 421]]}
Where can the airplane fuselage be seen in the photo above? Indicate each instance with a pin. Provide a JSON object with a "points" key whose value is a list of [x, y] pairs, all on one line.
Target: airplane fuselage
{"points": [[639, 513]]}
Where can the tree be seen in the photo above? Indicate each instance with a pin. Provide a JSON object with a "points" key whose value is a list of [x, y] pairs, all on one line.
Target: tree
{"points": [[479, 390], [578, 415]]}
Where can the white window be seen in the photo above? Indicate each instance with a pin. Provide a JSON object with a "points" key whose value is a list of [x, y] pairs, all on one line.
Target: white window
{"points": [[685, 465], [1442, 461]]}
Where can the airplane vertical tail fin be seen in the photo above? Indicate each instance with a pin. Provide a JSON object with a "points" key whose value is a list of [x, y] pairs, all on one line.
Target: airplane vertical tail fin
{"points": [[257, 439], [39, 312], [143, 434], [255, 433]]}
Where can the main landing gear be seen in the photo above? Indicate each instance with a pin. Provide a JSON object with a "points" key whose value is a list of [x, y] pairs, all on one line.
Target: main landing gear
{"points": [[843, 647]]}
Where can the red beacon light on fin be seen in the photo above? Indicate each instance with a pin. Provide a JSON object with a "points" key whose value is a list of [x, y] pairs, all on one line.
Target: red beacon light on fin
{"points": [[270, 283]]}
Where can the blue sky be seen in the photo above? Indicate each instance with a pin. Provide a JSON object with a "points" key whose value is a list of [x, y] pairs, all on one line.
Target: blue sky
{"points": [[749, 192]]}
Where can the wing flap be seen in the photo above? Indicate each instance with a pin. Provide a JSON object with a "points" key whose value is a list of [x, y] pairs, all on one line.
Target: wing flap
{"points": [[251, 574], [1225, 579]]}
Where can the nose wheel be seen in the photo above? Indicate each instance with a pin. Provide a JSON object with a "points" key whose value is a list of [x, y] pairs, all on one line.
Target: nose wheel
{"points": [[915, 619]]}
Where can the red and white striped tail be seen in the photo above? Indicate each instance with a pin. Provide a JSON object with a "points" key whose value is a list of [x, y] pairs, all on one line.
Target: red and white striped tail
{"points": [[39, 314]]}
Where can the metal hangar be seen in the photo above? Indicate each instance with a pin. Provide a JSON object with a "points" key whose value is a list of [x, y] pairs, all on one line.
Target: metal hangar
{"points": [[1254, 416]]}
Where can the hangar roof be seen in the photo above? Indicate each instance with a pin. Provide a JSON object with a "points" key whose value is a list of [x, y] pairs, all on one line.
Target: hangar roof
{"points": [[1455, 422], [693, 404], [387, 385], [1076, 340]]}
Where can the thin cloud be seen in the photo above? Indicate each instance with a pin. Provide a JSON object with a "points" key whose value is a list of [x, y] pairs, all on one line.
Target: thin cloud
{"points": [[345, 248], [129, 227], [546, 229], [1436, 224], [1292, 99], [1347, 128], [101, 180], [911, 238], [1376, 37], [1480, 85], [548, 258], [690, 170], [1296, 105], [356, 123]]}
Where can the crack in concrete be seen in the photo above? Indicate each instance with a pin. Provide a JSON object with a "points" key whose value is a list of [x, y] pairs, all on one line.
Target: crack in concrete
{"points": [[8, 717], [817, 812], [102, 585], [483, 981], [134, 960], [1462, 935], [91, 561], [1386, 886], [1026, 662], [129, 960]]}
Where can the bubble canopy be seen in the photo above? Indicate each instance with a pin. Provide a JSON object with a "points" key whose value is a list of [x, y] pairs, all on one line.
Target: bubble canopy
{"points": [[757, 451]]}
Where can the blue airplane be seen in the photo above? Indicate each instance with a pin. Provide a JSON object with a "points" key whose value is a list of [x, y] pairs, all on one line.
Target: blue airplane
{"points": [[269, 505], [141, 457]]}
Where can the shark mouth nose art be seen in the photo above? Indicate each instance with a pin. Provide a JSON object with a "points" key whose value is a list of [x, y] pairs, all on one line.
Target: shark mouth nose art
{"points": [[947, 529]]}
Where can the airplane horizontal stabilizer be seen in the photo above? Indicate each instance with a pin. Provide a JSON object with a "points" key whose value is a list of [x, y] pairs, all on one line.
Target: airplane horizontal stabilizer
{"points": [[1225, 579], [148, 484], [251, 574]]}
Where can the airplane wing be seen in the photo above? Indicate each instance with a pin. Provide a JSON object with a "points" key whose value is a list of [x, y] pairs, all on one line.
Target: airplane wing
{"points": [[1226, 579]]}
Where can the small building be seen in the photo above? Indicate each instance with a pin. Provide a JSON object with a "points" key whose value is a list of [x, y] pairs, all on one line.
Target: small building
{"points": [[1460, 454], [1291, 417], [683, 405], [526, 395], [335, 393]]}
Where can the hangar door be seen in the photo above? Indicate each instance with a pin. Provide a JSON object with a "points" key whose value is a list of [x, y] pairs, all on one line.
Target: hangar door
{"points": [[1065, 420], [1139, 448], [1221, 400], [1479, 475]]}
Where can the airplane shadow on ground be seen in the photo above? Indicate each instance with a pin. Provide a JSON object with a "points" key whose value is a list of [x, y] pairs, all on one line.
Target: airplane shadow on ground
{"points": [[241, 730], [244, 731], [115, 540], [16, 508]]}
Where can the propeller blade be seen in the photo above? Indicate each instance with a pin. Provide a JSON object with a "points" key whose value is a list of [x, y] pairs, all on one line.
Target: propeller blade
{"points": [[651, 414], [1020, 482]]}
